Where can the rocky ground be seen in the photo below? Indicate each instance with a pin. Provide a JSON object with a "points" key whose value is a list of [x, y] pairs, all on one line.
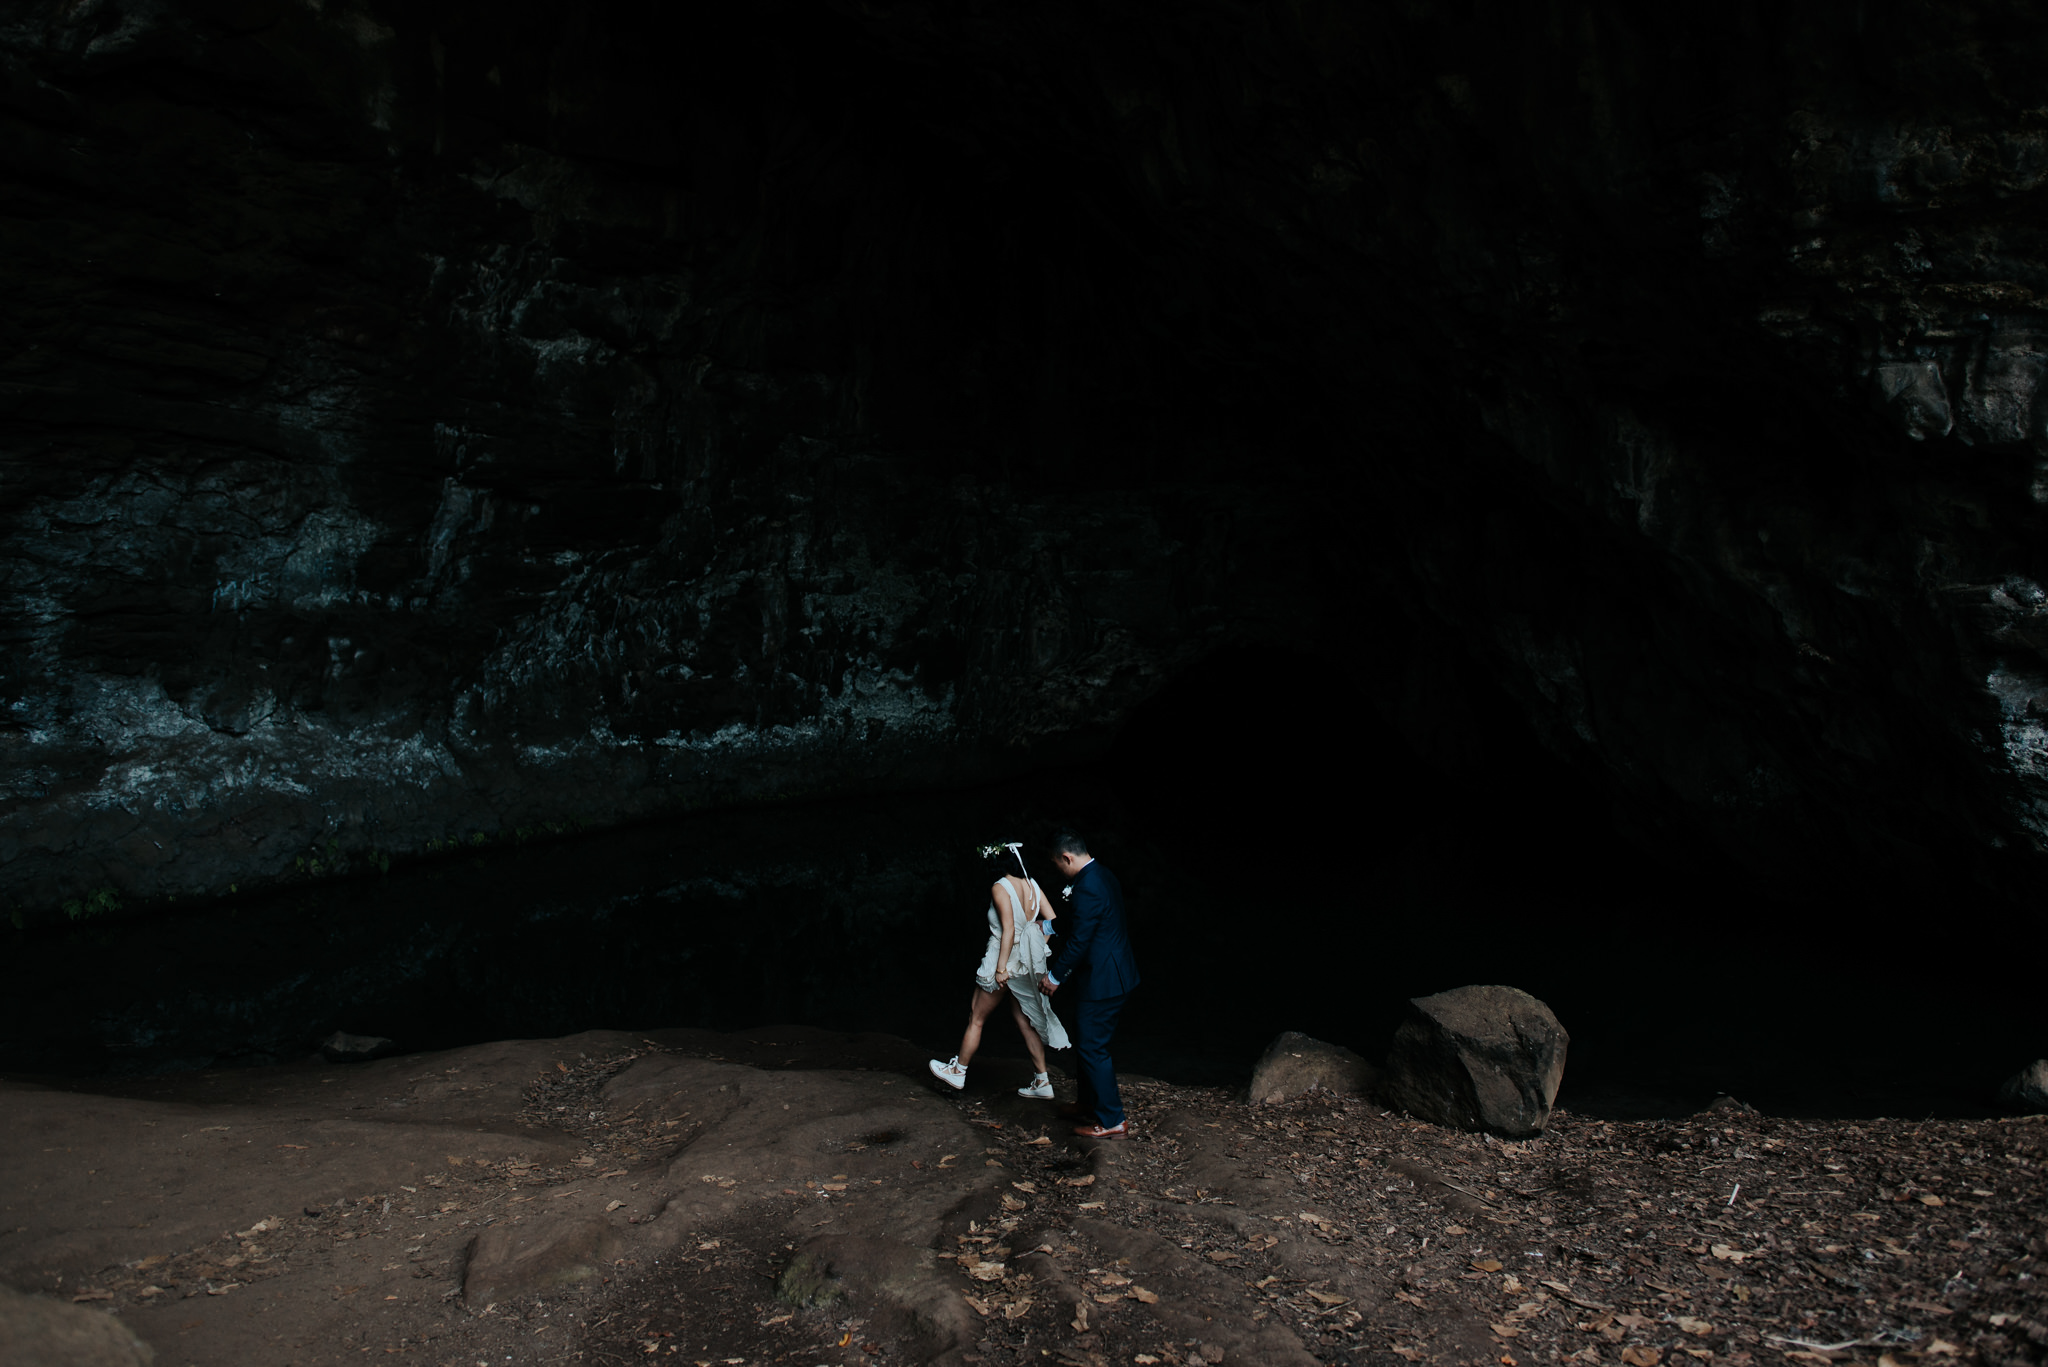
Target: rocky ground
{"points": [[794, 1196]]}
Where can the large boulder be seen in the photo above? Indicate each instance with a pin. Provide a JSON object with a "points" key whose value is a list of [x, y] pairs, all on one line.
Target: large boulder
{"points": [[49, 1333], [1293, 1063], [1478, 1058], [2028, 1088]]}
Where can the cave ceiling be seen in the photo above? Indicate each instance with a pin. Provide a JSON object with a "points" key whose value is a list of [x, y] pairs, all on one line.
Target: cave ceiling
{"points": [[435, 419]]}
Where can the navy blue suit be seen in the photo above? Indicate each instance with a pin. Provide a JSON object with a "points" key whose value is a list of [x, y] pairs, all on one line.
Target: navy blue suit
{"points": [[1097, 966]]}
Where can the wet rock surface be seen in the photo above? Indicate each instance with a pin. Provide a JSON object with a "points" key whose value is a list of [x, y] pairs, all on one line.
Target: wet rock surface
{"points": [[431, 422], [1477, 1058]]}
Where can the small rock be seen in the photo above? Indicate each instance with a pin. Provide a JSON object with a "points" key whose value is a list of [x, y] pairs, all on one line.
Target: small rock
{"points": [[809, 1281], [1478, 1058], [2028, 1087], [35, 1329], [1725, 1104], [538, 1258], [1294, 1062], [345, 1048]]}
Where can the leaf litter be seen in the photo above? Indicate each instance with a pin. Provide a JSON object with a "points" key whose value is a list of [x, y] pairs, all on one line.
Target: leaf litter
{"points": [[1727, 1239]]}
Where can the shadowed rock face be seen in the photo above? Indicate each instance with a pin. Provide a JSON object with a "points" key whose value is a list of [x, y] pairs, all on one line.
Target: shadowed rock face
{"points": [[1478, 1058], [436, 419]]}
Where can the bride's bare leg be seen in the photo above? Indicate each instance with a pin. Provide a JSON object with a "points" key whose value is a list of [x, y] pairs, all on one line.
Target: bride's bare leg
{"points": [[1032, 1043], [977, 1012]]}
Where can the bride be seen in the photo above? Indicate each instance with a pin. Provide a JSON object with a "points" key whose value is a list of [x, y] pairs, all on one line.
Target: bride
{"points": [[1019, 919]]}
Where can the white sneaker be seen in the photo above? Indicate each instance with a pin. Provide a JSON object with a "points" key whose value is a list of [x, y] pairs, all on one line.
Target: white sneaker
{"points": [[1040, 1088], [952, 1074]]}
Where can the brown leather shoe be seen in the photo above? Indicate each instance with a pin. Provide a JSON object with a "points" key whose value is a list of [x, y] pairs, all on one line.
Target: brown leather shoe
{"points": [[1115, 1131]]}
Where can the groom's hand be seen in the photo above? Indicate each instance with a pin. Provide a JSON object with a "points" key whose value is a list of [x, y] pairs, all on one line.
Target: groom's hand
{"points": [[1047, 986]]}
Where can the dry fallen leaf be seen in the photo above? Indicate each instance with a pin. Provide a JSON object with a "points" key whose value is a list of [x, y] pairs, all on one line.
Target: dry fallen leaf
{"points": [[979, 1306], [1403, 1350], [1031, 1187], [1453, 1231], [1693, 1326], [1412, 1300], [1030, 1143], [1146, 1360], [708, 1244], [1107, 1299], [1139, 1293], [1017, 1310], [1942, 1347], [1224, 1256], [949, 1158], [1932, 1200], [1486, 1265], [1633, 1356], [94, 1295], [612, 1206], [986, 1272], [1011, 1203], [1506, 1331], [1723, 1251], [1091, 1205], [1329, 1299]]}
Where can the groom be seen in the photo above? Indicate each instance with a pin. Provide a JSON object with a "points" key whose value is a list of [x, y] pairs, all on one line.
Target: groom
{"points": [[1097, 960]]}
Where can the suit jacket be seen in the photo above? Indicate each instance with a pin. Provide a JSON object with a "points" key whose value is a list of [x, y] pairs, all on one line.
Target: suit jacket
{"points": [[1097, 958]]}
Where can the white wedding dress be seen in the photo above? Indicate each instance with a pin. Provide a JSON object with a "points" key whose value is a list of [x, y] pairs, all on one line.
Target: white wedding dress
{"points": [[1027, 966]]}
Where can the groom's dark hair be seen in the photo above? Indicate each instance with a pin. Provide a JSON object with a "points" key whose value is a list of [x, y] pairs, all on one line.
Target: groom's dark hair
{"points": [[1068, 842]]}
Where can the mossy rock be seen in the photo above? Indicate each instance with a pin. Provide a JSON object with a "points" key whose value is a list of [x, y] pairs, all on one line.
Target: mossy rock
{"points": [[808, 1282]]}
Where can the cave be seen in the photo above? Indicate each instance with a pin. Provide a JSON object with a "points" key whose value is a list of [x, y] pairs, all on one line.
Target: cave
{"points": [[571, 515], [456, 426]]}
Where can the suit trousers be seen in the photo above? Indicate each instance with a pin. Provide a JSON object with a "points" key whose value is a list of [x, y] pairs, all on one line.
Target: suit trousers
{"points": [[1094, 1027]]}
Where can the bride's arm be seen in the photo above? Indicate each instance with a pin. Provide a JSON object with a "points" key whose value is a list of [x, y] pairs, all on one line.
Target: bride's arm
{"points": [[1045, 911], [999, 898]]}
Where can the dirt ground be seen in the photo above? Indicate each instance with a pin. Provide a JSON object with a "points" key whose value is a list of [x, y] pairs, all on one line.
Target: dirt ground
{"points": [[793, 1196]]}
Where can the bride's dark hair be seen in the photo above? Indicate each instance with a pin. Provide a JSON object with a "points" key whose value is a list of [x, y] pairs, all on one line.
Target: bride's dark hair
{"points": [[1000, 861]]}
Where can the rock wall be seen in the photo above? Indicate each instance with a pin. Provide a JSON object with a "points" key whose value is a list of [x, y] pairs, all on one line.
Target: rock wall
{"points": [[441, 419]]}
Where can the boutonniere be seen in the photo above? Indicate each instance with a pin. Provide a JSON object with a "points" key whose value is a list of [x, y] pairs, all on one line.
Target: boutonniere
{"points": [[1067, 893]]}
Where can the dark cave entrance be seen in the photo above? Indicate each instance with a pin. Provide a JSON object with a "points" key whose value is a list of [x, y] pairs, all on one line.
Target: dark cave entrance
{"points": [[1292, 862]]}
